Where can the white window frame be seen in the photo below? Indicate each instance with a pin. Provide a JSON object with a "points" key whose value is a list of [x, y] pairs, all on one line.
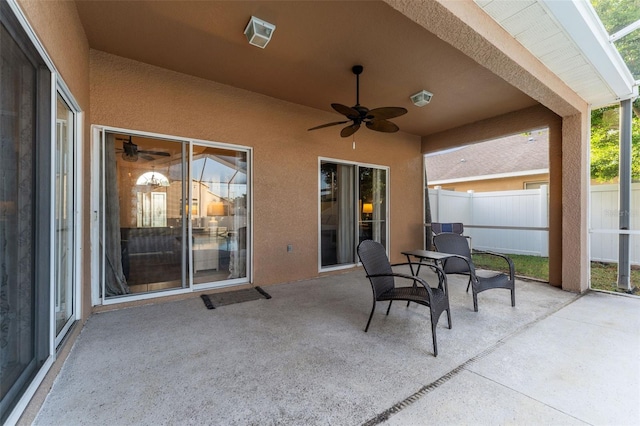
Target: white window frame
{"points": [[358, 164]]}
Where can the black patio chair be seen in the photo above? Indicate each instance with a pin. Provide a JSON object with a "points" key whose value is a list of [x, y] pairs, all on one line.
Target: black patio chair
{"points": [[379, 271], [462, 263]]}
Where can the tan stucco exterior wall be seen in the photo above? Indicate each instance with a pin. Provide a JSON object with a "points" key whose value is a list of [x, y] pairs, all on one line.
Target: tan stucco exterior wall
{"points": [[136, 96]]}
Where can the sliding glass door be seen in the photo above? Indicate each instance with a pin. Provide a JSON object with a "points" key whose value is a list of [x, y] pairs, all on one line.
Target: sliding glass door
{"points": [[353, 207], [219, 222], [25, 212], [174, 215]]}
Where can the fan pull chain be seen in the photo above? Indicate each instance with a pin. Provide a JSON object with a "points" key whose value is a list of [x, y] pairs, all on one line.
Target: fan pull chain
{"points": [[354, 142]]}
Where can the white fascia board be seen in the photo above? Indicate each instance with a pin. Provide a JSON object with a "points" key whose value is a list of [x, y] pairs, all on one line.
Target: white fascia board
{"points": [[488, 177], [581, 22]]}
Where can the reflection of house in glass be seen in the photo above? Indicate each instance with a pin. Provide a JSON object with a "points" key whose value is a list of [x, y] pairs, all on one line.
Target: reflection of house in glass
{"points": [[172, 234]]}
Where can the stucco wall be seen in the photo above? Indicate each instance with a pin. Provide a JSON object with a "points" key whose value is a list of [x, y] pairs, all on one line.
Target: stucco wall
{"points": [[137, 96]]}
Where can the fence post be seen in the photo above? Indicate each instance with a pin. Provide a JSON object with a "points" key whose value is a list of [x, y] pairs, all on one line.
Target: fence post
{"points": [[438, 189], [544, 220]]}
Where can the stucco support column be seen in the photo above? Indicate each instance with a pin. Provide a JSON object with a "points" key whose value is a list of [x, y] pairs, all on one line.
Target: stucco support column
{"points": [[624, 265], [575, 175]]}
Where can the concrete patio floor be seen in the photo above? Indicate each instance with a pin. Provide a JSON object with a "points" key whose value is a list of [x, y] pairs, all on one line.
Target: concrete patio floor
{"points": [[302, 358]]}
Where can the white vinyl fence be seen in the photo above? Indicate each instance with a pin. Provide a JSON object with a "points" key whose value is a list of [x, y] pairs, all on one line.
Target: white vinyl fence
{"points": [[517, 222]]}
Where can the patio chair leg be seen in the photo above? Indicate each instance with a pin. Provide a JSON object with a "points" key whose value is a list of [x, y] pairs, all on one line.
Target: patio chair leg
{"points": [[513, 296], [433, 335], [475, 301], [468, 284], [449, 317], [389, 308], [373, 308]]}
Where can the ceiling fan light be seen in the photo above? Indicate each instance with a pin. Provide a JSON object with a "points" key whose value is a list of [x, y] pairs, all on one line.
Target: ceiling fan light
{"points": [[259, 32], [421, 98]]}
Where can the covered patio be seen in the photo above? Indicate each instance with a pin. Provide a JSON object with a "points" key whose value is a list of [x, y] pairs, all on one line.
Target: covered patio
{"points": [[302, 358], [183, 76]]}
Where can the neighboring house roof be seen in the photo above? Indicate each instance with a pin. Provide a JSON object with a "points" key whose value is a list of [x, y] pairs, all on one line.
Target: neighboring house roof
{"points": [[509, 156]]}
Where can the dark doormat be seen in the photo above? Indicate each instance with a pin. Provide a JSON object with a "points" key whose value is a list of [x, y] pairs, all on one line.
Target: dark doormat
{"points": [[211, 301]]}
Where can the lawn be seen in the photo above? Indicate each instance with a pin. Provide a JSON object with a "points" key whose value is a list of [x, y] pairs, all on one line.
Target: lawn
{"points": [[603, 275]]}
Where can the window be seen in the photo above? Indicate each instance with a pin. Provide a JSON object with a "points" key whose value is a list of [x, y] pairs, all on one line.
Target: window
{"points": [[353, 208]]}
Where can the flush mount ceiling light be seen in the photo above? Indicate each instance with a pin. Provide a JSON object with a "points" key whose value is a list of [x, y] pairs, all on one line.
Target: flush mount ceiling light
{"points": [[421, 98], [259, 32]]}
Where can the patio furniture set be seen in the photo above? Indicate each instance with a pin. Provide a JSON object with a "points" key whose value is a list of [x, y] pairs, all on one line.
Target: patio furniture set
{"points": [[453, 256]]}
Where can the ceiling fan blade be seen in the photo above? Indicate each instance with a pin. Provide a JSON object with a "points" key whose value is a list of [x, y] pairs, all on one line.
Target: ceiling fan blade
{"points": [[146, 156], [349, 130], [385, 113], [335, 123], [382, 126], [160, 153], [346, 111]]}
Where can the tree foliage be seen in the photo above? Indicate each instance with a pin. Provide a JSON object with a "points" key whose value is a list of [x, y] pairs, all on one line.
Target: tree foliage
{"points": [[616, 15], [605, 134], [605, 145]]}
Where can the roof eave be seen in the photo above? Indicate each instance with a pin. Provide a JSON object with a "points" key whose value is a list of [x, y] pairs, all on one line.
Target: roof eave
{"points": [[581, 22]]}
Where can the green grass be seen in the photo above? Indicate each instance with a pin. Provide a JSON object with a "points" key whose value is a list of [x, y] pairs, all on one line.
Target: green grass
{"points": [[603, 275]]}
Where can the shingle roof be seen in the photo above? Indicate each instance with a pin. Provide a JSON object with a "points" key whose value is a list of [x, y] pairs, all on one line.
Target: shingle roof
{"points": [[511, 154]]}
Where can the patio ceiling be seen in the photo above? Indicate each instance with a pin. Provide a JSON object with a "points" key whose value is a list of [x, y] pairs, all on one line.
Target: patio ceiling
{"points": [[308, 61]]}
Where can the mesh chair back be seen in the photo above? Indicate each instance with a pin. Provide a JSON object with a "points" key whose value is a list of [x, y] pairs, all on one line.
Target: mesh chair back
{"points": [[375, 261], [449, 242]]}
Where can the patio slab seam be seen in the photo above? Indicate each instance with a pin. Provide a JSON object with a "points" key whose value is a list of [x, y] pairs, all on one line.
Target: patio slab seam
{"points": [[385, 415]]}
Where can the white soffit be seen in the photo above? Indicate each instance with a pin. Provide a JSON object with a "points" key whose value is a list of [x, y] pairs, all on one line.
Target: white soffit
{"points": [[569, 38]]}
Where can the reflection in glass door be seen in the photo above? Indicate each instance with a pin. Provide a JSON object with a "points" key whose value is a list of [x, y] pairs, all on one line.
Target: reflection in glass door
{"points": [[64, 219], [145, 215], [219, 224], [373, 204]]}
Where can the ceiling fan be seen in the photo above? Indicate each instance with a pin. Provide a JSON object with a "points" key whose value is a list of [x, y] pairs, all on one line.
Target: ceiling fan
{"points": [[130, 152], [375, 119]]}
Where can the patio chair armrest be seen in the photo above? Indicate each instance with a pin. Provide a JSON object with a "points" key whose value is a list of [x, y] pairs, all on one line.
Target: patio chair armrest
{"points": [[512, 269], [408, 277]]}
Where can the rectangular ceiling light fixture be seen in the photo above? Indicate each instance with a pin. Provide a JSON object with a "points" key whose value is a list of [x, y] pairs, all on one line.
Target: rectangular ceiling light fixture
{"points": [[421, 98], [259, 32]]}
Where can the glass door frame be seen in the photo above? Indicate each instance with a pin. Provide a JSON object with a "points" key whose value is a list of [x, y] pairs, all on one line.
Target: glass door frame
{"points": [[76, 200], [357, 211], [97, 201]]}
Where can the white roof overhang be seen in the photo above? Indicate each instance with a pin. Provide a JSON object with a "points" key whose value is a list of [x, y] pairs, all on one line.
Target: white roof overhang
{"points": [[569, 38]]}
